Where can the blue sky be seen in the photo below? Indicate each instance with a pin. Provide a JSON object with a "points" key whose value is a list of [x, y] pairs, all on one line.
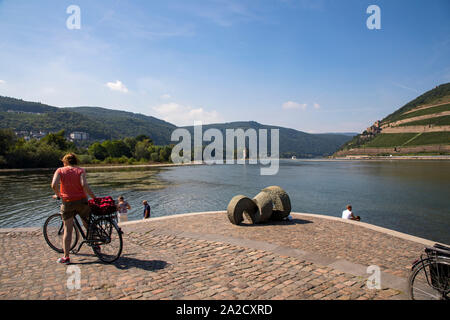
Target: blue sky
{"points": [[309, 65]]}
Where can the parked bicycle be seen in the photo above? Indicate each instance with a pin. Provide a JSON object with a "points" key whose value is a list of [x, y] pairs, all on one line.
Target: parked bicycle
{"points": [[430, 275], [103, 235]]}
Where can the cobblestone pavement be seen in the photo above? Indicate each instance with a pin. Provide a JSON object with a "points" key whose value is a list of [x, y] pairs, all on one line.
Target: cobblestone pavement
{"points": [[333, 239], [160, 262]]}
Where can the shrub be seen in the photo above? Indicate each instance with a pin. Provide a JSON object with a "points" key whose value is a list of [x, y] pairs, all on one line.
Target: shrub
{"points": [[85, 158], [154, 156]]}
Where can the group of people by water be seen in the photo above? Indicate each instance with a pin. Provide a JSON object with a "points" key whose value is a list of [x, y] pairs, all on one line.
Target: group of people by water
{"points": [[123, 207]]}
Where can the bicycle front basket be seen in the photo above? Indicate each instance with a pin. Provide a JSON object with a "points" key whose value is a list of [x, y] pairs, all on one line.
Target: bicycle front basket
{"points": [[102, 206]]}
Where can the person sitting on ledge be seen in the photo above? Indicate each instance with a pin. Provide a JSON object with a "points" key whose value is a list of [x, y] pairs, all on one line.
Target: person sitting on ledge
{"points": [[348, 214]]}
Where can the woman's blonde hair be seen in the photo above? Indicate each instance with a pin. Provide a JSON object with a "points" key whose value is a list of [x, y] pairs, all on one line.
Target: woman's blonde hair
{"points": [[70, 158]]}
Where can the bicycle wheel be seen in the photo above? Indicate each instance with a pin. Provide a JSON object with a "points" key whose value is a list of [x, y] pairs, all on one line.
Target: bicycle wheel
{"points": [[427, 284], [106, 239], [54, 231]]}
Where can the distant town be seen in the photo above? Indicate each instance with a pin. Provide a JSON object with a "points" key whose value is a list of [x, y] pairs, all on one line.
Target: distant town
{"points": [[73, 136]]}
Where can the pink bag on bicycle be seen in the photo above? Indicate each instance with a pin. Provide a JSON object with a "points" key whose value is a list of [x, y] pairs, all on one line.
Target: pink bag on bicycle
{"points": [[102, 206]]}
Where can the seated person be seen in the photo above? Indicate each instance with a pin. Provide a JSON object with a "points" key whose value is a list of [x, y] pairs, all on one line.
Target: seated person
{"points": [[348, 214]]}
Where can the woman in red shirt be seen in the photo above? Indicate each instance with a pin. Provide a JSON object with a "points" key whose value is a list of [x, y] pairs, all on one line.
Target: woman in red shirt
{"points": [[73, 190]]}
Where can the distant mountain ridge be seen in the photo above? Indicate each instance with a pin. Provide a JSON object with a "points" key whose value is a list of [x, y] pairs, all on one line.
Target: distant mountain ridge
{"points": [[103, 123], [420, 126], [124, 123], [100, 123], [292, 142]]}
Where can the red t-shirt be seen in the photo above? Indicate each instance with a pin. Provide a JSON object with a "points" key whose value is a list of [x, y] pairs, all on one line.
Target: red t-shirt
{"points": [[70, 186]]}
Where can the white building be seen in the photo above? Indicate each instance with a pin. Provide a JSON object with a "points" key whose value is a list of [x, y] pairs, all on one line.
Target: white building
{"points": [[79, 135]]}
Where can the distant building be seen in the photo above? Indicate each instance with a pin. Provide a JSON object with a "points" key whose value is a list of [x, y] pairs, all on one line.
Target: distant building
{"points": [[38, 135], [78, 135], [375, 128], [22, 112], [28, 135]]}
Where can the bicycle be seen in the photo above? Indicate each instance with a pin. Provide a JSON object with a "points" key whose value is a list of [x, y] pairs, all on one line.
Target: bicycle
{"points": [[430, 275], [103, 235]]}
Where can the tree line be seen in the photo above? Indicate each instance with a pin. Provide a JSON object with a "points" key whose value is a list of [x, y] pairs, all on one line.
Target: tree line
{"points": [[47, 152]]}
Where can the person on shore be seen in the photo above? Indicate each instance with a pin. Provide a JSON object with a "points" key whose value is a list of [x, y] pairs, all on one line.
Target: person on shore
{"points": [[146, 209], [348, 214], [123, 208], [69, 183]]}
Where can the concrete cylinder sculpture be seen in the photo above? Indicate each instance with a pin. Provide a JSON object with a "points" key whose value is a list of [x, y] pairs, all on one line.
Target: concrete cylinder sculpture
{"points": [[272, 203], [264, 203], [281, 202], [241, 206]]}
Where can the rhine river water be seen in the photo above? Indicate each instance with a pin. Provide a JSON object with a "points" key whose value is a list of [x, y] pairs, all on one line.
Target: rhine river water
{"points": [[407, 196]]}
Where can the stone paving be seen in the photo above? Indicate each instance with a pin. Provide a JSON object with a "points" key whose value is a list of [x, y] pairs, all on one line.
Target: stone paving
{"points": [[206, 257]]}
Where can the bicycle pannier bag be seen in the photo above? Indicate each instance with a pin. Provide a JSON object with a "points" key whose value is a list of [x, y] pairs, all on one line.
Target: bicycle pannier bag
{"points": [[440, 275], [102, 206]]}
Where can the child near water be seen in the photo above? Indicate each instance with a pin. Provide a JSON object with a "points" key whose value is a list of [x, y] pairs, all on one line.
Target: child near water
{"points": [[123, 208]]}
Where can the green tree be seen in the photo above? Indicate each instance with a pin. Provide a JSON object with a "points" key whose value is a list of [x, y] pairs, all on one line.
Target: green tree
{"points": [[7, 140], [58, 140], [141, 150], [34, 154], [164, 154], [98, 151], [131, 143], [143, 137], [155, 156], [108, 145], [118, 148]]}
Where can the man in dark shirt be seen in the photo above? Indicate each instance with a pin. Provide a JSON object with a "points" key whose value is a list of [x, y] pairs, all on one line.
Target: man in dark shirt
{"points": [[146, 209]]}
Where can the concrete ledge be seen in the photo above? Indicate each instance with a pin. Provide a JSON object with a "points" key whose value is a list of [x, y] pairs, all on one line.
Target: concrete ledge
{"points": [[391, 232], [29, 229]]}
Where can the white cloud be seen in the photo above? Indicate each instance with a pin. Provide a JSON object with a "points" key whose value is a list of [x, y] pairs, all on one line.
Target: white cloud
{"points": [[316, 105], [117, 86], [2, 81], [289, 105], [166, 96], [182, 115]]}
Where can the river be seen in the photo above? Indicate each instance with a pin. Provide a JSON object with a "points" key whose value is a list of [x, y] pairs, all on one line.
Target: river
{"points": [[405, 195]]}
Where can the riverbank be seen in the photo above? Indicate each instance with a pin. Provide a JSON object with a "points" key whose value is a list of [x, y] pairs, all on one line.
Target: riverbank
{"points": [[108, 166], [161, 165], [203, 256], [366, 157]]}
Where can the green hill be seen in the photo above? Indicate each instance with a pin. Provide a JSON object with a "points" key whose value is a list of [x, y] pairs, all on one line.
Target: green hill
{"points": [[420, 126], [292, 142], [122, 124], [437, 95], [102, 123]]}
